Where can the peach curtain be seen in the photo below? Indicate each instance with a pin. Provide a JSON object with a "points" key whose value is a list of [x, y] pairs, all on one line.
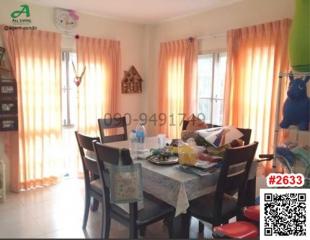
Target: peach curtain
{"points": [[256, 56], [177, 84], [98, 92], [35, 60]]}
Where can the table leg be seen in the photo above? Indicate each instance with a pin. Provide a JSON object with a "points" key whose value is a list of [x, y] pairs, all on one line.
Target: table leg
{"points": [[181, 226]]}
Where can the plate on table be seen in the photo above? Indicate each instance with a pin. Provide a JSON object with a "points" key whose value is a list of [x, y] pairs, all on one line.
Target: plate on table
{"points": [[163, 161]]}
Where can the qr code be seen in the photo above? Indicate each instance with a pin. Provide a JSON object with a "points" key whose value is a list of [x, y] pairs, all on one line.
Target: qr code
{"points": [[284, 213]]}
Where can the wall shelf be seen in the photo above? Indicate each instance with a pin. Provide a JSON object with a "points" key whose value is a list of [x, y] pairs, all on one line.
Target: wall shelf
{"points": [[8, 102]]}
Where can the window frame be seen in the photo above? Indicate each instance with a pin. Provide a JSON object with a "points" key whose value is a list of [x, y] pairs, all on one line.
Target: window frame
{"points": [[66, 91], [215, 60]]}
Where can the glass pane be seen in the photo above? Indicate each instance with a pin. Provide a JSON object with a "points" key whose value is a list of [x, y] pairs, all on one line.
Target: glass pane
{"points": [[205, 63], [69, 90], [64, 88], [219, 78], [204, 110], [69, 109], [217, 113], [72, 88]]}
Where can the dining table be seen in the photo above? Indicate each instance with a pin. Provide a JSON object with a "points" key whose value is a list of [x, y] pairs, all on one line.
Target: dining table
{"points": [[170, 183]]}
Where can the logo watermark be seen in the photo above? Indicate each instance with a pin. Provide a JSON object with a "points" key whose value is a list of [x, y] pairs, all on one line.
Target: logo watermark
{"points": [[21, 19], [21, 16]]}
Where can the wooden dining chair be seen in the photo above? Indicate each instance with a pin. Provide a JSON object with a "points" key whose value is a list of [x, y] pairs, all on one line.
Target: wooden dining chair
{"points": [[218, 207], [91, 170], [153, 209], [112, 123], [246, 139]]}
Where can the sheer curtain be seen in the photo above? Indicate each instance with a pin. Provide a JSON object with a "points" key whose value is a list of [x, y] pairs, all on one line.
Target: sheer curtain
{"points": [[256, 56], [177, 84], [98, 92], [35, 60]]}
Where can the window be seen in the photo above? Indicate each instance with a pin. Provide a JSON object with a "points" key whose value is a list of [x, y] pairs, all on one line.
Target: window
{"points": [[69, 92], [69, 113], [211, 83]]}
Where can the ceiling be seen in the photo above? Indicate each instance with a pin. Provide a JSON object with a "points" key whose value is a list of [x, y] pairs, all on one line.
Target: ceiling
{"points": [[140, 11]]}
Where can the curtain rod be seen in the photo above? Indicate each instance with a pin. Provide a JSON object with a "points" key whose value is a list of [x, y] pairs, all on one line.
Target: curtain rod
{"points": [[296, 74], [70, 35], [217, 35]]}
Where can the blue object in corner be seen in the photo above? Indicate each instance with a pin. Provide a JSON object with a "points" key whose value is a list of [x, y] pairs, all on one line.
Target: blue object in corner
{"points": [[296, 110]]}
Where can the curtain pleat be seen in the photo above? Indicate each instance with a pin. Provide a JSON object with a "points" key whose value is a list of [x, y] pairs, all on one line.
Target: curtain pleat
{"points": [[35, 60], [256, 55], [177, 84], [98, 92]]}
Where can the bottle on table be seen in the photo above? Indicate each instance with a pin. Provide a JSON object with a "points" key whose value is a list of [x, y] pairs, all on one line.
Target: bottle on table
{"points": [[140, 136], [133, 144]]}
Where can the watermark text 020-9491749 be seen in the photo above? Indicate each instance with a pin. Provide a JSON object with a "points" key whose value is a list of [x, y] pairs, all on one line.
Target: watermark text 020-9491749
{"points": [[155, 119]]}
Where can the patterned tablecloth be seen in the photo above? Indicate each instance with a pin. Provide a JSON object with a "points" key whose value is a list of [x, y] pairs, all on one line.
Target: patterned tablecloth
{"points": [[171, 184], [174, 186]]}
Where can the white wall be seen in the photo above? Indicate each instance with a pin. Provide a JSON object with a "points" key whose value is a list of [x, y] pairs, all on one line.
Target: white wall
{"points": [[217, 21], [130, 35]]}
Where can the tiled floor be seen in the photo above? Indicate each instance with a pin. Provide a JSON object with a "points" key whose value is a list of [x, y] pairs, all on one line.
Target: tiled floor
{"points": [[57, 212]]}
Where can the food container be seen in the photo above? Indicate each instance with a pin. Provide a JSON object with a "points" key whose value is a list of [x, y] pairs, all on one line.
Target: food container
{"points": [[187, 155]]}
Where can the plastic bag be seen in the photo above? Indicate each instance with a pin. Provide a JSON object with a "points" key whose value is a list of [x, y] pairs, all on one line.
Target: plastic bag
{"points": [[126, 183]]}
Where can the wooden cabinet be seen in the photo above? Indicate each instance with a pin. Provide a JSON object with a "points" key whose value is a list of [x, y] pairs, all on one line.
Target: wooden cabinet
{"points": [[8, 102]]}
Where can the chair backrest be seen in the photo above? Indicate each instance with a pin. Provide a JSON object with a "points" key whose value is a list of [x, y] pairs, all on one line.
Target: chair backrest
{"points": [[107, 155], [110, 155], [110, 123], [234, 174], [85, 143]]}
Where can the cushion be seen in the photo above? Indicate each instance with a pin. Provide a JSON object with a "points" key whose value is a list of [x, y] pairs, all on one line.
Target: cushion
{"points": [[153, 209], [195, 124], [237, 230], [202, 207], [252, 212]]}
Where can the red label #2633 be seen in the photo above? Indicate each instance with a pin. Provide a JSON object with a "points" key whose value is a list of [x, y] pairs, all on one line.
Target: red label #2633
{"points": [[285, 180]]}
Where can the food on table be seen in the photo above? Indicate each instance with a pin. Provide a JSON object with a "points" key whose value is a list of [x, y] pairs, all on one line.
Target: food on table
{"points": [[165, 153], [206, 157], [187, 155]]}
